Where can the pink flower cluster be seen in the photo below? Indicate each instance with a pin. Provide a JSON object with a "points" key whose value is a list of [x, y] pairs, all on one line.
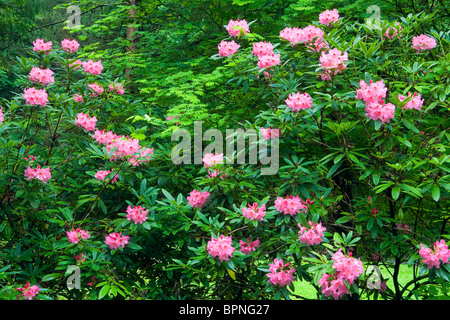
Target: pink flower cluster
{"points": [[220, 247], [197, 199], [83, 120], [311, 36], [299, 101], [29, 292], [278, 273], [76, 65], [268, 60], [70, 45], [311, 235], [235, 27], [116, 87], [40, 45], [137, 214], [381, 111], [372, 94], [249, 246], [98, 89], [41, 174], [347, 268], [262, 49], [228, 48], [435, 256], [329, 16], [396, 31], [78, 98], [102, 174], [423, 42], [115, 240], [270, 133], [212, 159], [332, 61], [92, 67], [76, 235], [43, 76], [34, 97], [290, 205], [415, 101], [254, 212]]}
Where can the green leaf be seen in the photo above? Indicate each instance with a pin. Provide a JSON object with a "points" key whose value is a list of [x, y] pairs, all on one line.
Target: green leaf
{"points": [[404, 141], [104, 291], [51, 276], [435, 192], [344, 219], [395, 192]]}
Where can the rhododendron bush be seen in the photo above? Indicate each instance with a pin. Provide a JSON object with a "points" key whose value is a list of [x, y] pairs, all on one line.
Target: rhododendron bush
{"points": [[361, 117]]}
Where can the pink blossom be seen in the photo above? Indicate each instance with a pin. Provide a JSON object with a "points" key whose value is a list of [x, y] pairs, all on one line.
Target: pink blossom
{"points": [[270, 133], [43, 76], [227, 48], [423, 42], [105, 137], [348, 268], [41, 174], [262, 49], [279, 274], [403, 227], [311, 235], [102, 174], [380, 111], [433, 257], [78, 98], [70, 45], [371, 93], [394, 32], [92, 67], [329, 16], [40, 45], [235, 27], [415, 101], [249, 246], [76, 235], [332, 61], [143, 155], [76, 65], [268, 60], [29, 292], [98, 89], [198, 199], [299, 101], [137, 214], [116, 240], [220, 247], [253, 212], [333, 286], [123, 147], [290, 205], [83, 120], [212, 159], [116, 87], [35, 97]]}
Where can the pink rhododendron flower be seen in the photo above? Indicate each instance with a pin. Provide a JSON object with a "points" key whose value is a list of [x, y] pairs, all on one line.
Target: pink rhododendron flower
{"points": [[279, 274], [143, 155], [29, 292], [220, 247], [235, 27], [299, 101], [253, 212], [403, 227], [249, 246], [423, 42], [415, 103], [262, 49], [227, 48], [40, 45], [105, 137], [123, 147], [70, 45], [92, 67], [311, 235], [43, 76], [76, 65], [392, 33], [332, 61], [198, 199], [137, 214], [371, 93], [102, 174], [333, 286], [98, 89], [212, 159], [268, 60], [380, 111], [83, 120], [270, 133], [117, 88], [35, 97], [433, 257], [290, 205], [41, 174], [115, 240], [76, 235], [329, 16], [78, 98]]}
